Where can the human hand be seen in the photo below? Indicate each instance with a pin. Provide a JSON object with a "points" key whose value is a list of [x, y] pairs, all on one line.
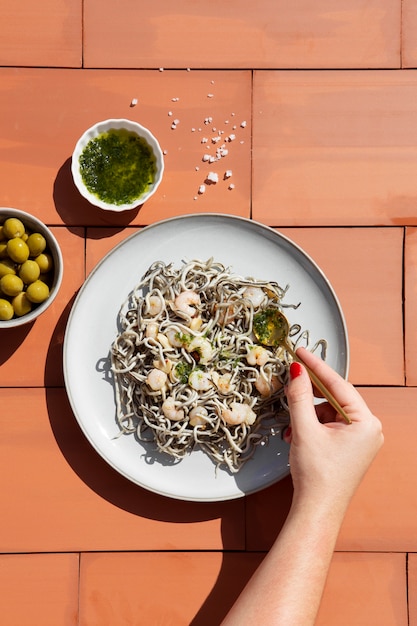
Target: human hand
{"points": [[328, 458]]}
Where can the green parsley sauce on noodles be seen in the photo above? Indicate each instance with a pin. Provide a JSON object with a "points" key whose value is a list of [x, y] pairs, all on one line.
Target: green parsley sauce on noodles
{"points": [[118, 166]]}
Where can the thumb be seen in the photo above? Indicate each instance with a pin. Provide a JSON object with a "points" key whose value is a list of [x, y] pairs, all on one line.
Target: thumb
{"points": [[300, 400]]}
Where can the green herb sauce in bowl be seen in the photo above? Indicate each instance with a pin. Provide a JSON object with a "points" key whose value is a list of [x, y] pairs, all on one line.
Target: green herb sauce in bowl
{"points": [[117, 165]]}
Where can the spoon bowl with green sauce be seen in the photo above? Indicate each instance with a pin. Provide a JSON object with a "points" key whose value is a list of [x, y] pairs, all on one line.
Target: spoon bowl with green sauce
{"points": [[271, 328], [117, 165]]}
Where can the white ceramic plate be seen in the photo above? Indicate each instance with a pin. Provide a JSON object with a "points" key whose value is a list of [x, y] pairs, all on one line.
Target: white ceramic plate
{"points": [[250, 249]]}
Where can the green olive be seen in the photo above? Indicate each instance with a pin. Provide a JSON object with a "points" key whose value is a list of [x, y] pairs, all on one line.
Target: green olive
{"points": [[45, 262], [11, 284], [6, 267], [37, 292], [6, 310], [36, 243], [13, 227], [21, 304], [17, 250], [29, 271], [3, 249]]}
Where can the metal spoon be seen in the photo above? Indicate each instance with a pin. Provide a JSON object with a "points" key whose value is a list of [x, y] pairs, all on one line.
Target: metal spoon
{"points": [[271, 329]]}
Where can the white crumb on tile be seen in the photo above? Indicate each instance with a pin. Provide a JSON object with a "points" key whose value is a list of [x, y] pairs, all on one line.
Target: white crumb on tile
{"points": [[161, 69], [165, 152], [231, 186], [210, 95], [204, 140], [231, 137], [243, 124], [228, 174], [206, 157], [133, 102], [201, 189], [212, 177], [169, 113], [197, 169]]}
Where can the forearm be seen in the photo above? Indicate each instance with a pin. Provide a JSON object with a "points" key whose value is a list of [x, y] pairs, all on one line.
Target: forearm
{"points": [[287, 587]]}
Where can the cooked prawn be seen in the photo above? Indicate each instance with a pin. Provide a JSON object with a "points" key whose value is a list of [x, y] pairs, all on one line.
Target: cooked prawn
{"points": [[156, 379], [151, 331], [265, 387], [256, 295], [238, 414], [170, 410], [198, 416], [186, 302], [257, 355], [203, 348], [199, 380], [223, 382], [154, 305]]}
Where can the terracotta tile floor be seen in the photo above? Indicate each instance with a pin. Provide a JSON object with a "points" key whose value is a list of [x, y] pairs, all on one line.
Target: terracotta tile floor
{"points": [[322, 101]]}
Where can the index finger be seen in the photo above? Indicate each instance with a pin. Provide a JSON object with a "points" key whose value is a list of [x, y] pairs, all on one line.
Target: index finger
{"points": [[347, 396]]}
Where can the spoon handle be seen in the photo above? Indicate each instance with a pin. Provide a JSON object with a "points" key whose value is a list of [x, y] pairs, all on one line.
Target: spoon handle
{"points": [[320, 386]]}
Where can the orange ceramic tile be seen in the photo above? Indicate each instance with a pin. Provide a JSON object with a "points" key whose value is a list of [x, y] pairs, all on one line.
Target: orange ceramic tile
{"points": [[161, 588], [268, 34], [335, 148], [101, 240], [412, 588], [364, 589], [364, 266], [44, 112], [39, 589], [383, 513], [410, 289], [32, 355], [75, 501], [48, 33], [408, 34]]}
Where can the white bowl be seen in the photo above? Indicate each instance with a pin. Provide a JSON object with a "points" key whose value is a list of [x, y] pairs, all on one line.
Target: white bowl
{"points": [[98, 129], [33, 224]]}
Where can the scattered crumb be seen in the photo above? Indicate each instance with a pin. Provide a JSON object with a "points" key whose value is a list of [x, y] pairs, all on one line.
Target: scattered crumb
{"points": [[231, 137], [161, 69], [212, 177], [228, 174], [243, 124], [134, 102], [174, 99], [201, 189], [169, 113], [231, 186], [165, 152], [210, 95]]}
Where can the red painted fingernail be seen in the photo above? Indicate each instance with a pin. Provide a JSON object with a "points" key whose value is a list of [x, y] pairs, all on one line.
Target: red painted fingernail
{"points": [[295, 369]]}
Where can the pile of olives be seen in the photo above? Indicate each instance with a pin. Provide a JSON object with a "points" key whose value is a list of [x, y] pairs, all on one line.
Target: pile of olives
{"points": [[26, 269]]}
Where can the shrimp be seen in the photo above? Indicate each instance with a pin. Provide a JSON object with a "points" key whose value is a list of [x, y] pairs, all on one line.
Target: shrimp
{"points": [[184, 301], [199, 380], [174, 338], [198, 416], [265, 387], [256, 295], [170, 410], [223, 382], [154, 305], [257, 355], [151, 331], [156, 379], [203, 348], [238, 414]]}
